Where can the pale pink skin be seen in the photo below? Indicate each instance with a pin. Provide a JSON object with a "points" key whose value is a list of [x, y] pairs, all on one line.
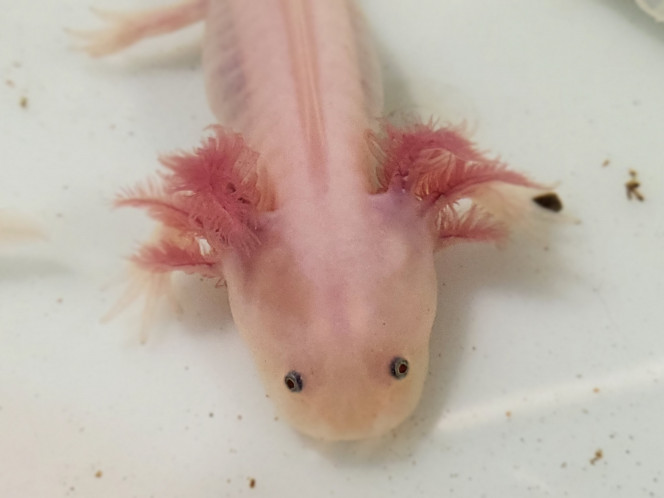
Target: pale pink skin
{"points": [[322, 220]]}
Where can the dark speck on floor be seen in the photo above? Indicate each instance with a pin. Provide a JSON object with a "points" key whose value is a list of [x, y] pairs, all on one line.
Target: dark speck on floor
{"points": [[599, 454]]}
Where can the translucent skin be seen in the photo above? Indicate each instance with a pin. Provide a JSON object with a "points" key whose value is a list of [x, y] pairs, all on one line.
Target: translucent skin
{"points": [[322, 219]]}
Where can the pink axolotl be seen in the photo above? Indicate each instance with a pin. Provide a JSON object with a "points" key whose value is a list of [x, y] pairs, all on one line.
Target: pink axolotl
{"points": [[322, 219]]}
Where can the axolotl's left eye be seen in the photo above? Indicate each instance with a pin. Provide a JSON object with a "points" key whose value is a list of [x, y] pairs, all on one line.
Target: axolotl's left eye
{"points": [[399, 368], [293, 381]]}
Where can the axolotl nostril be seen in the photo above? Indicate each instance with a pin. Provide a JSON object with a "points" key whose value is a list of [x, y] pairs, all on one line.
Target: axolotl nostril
{"points": [[321, 217]]}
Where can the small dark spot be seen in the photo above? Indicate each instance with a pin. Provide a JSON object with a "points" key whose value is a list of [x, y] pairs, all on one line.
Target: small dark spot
{"points": [[632, 187], [10, 83], [508, 413], [596, 389], [606, 163], [252, 483], [24, 102], [99, 474], [549, 201], [211, 415], [59, 300], [599, 454], [239, 417]]}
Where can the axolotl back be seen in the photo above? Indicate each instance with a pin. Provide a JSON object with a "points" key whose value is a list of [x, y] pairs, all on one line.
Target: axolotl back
{"points": [[322, 218]]}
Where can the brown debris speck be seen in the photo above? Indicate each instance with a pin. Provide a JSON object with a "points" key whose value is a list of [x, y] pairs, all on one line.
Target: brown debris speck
{"points": [[98, 474], [599, 454], [632, 186], [550, 201], [23, 102], [596, 389], [606, 163], [252, 482]]}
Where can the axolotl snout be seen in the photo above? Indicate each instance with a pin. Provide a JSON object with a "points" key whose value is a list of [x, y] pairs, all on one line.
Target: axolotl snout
{"points": [[321, 218]]}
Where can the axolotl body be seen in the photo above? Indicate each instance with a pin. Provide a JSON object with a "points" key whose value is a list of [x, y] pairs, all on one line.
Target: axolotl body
{"points": [[322, 219]]}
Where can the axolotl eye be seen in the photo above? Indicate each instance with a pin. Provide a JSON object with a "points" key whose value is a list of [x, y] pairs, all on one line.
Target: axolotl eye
{"points": [[399, 368], [293, 381]]}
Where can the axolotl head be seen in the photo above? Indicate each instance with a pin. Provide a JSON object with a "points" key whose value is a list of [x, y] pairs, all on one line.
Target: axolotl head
{"points": [[340, 332]]}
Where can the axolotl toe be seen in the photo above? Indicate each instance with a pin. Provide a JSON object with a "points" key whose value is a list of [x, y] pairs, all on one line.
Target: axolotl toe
{"points": [[322, 219]]}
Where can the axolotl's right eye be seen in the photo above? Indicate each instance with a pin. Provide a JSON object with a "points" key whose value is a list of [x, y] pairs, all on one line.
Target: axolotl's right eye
{"points": [[399, 368], [293, 381]]}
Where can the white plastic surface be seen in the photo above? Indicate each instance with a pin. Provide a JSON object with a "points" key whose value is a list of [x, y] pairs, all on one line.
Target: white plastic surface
{"points": [[547, 365]]}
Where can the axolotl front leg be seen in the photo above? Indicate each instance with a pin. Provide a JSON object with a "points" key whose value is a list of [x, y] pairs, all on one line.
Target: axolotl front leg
{"points": [[126, 28], [336, 296]]}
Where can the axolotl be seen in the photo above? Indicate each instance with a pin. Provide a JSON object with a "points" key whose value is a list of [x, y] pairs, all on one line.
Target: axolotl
{"points": [[321, 217]]}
